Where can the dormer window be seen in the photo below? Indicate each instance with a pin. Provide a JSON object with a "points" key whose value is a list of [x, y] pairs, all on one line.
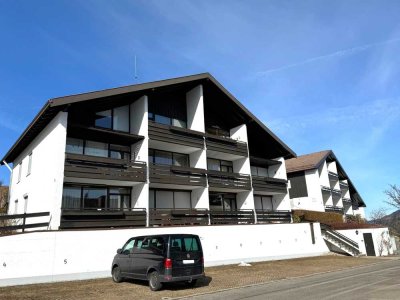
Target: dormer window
{"points": [[114, 119]]}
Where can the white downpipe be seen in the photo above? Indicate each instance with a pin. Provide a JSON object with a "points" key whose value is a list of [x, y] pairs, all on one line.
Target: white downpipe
{"points": [[8, 167]]}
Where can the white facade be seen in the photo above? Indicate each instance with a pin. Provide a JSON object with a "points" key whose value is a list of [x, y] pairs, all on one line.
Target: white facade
{"points": [[54, 256], [38, 173]]}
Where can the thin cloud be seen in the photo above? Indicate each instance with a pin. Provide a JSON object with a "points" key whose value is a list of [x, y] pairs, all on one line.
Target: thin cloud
{"points": [[339, 53]]}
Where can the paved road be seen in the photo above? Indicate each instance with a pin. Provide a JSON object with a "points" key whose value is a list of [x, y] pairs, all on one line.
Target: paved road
{"points": [[380, 281]]}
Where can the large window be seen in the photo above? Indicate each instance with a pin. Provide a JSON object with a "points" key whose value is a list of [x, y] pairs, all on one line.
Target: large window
{"points": [[219, 165], [167, 120], [78, 146], [263, 202], [83, 197], [298, 185], [259, 171], [222, 201], [169, 199], [216, 130], [160, 157], [115, 119]]}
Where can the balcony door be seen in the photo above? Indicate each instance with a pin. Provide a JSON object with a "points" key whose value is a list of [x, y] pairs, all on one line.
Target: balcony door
{"points": [[222, 201], [170, 199], [263, 202]]}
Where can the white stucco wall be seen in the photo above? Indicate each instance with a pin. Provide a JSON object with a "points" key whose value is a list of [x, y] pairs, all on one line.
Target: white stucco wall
{"points": [[379, 236], [43, 186], [314, 199], [70, 255], [195, 109]]}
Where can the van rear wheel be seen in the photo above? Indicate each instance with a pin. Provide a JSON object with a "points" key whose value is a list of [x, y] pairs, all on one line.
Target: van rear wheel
{"points": [[154, 281], [191, 283], [116, 275]]}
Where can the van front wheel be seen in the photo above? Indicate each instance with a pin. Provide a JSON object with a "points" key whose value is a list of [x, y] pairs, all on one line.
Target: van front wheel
{"points": [[116, 275], [154, 281]]}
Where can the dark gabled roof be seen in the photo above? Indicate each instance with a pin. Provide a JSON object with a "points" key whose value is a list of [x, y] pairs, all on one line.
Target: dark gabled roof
{"points": [[314, 161], [55, 105]]}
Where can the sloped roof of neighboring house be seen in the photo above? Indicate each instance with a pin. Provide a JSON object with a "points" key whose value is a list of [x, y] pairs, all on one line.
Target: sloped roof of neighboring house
{"points": [[53, 106], [307, 161], [314, 161]]}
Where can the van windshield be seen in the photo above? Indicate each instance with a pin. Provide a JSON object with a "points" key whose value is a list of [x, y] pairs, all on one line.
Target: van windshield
{"points": [[184, 244]]}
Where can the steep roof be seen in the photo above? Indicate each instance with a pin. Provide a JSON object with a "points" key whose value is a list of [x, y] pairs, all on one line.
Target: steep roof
{"points": [[53, 106], [314, 160]]}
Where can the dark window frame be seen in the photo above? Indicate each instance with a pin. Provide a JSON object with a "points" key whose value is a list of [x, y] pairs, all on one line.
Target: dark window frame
{"points": [[82, 187], [112, 119], [152, 152], [152, 117], [221, 164], [231, 200], [262, 204], [173, 197]]}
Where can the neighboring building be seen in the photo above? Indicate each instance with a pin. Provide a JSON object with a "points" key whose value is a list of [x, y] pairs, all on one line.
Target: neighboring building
{"points": [[177, 151], [318, 182]]}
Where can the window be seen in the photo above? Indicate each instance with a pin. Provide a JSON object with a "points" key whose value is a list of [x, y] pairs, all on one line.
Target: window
{"points": [[96, 149], [222, 201], [78, 146], [298, 185], [219, 165], [167, 120], [160, 157], [74, 146], [115, 119], [103, 119], [216, 130], [112, 198], [19, 171], [29, 164], [71, 197], [259, 171], [263, 202], [128, 248], [169, 199], [94, 198]]}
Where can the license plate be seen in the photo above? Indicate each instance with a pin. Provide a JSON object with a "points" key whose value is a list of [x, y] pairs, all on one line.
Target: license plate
{"points": [[188, 261]]}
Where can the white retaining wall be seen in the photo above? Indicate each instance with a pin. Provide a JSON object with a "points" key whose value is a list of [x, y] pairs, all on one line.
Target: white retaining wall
{"points": [[70, 255]]}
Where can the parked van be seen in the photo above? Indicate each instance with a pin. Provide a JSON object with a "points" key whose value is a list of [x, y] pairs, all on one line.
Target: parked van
{"points": [[159, 259]]}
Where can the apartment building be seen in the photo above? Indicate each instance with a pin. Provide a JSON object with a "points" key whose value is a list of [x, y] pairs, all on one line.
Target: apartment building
{"points": [[173, 152], [318, 182]]}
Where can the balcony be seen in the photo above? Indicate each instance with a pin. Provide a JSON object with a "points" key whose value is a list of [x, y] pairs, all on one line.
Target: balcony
{"points": [[269, 184], [102, 218], [274, 216], [93, 167], [346, 201], [325, 189], [217, 143], [244, 216], [177, 175], [335, 209], [227, 180], [333, 175], [178, 217], [176, 135]]}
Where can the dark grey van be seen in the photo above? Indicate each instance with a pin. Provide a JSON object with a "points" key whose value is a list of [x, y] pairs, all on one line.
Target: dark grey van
{"points": [[159, 259]]}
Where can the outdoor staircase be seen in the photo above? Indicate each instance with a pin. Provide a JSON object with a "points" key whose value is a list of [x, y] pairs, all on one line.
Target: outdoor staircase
{"points": [[334, 238]]}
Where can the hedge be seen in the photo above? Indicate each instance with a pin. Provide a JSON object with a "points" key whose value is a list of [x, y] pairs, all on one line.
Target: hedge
{"points": [[317, 216]]}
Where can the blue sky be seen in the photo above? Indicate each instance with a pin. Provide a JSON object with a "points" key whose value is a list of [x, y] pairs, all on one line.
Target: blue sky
{"points": [[320, 74]]}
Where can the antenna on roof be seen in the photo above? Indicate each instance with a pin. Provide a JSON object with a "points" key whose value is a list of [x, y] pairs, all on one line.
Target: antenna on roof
{"points": [[135, 69]]}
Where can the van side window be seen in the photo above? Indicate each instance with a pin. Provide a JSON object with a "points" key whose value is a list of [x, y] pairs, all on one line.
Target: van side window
{"points": [[157, 245], [128, 248], [176, 245]]}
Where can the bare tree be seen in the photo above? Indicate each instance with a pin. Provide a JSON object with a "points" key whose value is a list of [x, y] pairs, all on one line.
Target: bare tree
{"points": [[393, 196], [378, 215]]}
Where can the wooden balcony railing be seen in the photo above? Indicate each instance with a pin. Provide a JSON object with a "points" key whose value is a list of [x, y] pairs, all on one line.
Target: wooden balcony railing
{"points": [[11, 223], [177, 175], [331, 208], [102, 218], [274, 216], [178, 217], [93, 167], [244, 216], [226, 145], [228, 180], [176, 135], [269, 184]]}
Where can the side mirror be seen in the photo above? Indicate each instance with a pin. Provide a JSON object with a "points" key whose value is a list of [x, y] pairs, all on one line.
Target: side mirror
{"points": [[119, 251]]}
